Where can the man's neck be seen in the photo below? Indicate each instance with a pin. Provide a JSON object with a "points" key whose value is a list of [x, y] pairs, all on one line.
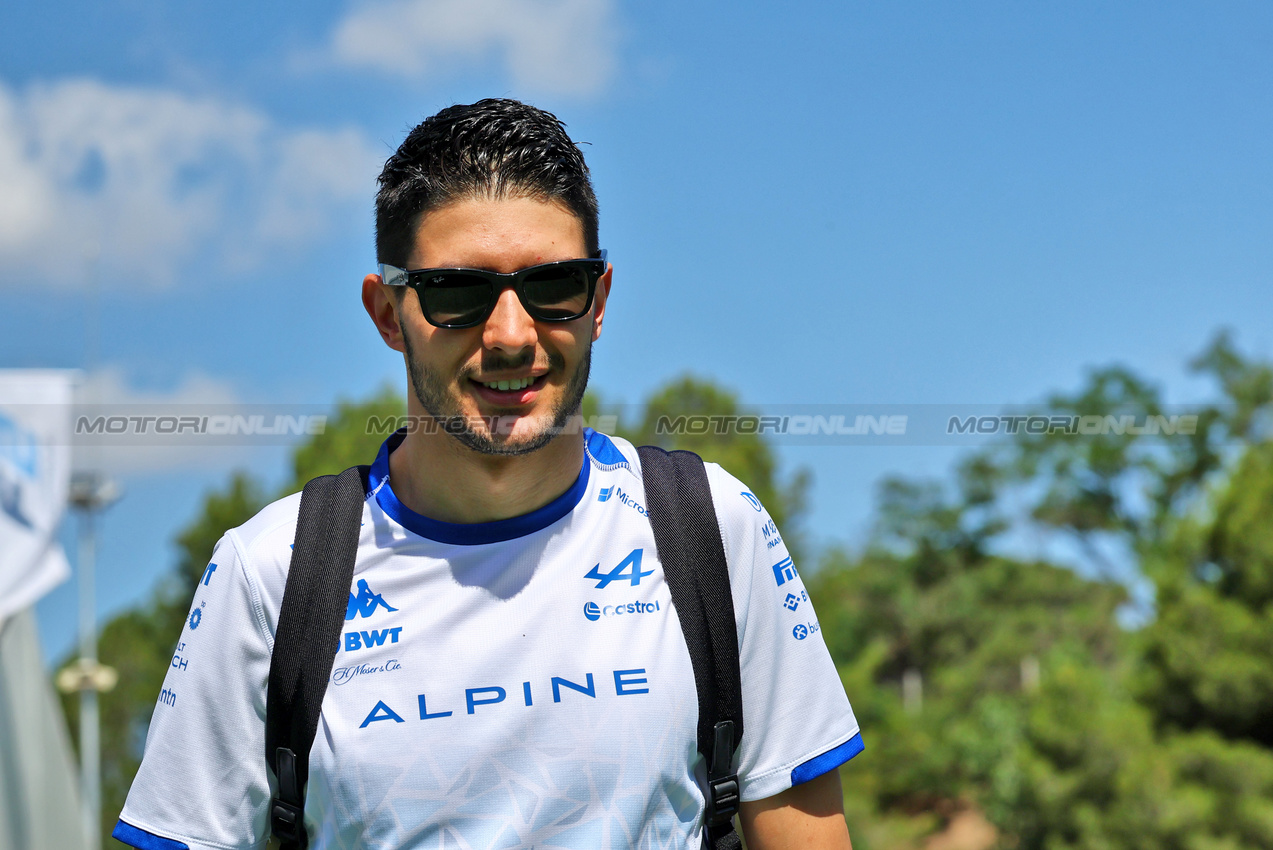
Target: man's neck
{"points": [[437, 476]]}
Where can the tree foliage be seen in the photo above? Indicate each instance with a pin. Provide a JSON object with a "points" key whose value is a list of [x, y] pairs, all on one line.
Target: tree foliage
{"points": [[1152, 738]]}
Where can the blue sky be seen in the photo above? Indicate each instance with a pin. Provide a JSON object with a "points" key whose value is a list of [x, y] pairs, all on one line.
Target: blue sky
{"points": [[831, 203]]}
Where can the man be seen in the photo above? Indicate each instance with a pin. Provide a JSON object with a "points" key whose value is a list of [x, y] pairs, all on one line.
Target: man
{"points": [[512, 672]]}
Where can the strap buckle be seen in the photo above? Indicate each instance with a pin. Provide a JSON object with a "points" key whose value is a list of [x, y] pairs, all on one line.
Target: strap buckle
{"points": [[286, 820], [723, 801], [287, 812]]}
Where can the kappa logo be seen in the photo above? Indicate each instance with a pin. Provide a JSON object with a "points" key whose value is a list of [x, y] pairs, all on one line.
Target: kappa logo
{"points": [[366, 602]]}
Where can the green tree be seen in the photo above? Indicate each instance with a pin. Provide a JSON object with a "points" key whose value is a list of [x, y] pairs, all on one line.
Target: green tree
{"points": [[1158, 738]]}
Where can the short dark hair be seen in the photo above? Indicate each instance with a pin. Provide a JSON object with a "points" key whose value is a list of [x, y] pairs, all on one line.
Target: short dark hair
{"points": [[494, 148]]}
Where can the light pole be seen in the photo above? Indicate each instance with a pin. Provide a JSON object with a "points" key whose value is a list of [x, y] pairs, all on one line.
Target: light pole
{"points": [[90, 492]]}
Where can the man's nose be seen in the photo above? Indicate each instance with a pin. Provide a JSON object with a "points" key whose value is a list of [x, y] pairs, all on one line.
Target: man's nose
{"points": [[509, 327]]}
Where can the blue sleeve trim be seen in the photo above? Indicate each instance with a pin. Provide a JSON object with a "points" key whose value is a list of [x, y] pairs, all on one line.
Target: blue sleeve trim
{"points": [[829, 760], [143, 840]]}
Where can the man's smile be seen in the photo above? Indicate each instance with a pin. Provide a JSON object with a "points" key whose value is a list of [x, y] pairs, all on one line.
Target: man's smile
{"points": [[506, 392]]}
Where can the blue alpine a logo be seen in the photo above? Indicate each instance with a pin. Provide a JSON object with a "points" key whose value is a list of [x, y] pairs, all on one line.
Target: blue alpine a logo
{"points": [[629, 568]]}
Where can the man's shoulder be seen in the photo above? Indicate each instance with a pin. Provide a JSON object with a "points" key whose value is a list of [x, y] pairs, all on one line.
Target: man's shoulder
{"points": [[267, 537], [735, 504]]}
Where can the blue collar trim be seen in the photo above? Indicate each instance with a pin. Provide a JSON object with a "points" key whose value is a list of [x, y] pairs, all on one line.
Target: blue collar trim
{"points": [[603, 450], [468, 534]]}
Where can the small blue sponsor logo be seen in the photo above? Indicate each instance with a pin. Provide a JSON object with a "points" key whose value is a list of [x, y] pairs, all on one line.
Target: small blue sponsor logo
{"points": [[784, 571], [196, 617], [792, 602], [623, 498], [366, 602], [755, 503], [595, 612], [801, 631], [207, 574]]}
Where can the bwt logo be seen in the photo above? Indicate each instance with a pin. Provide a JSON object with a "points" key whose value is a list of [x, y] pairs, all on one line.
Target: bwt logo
{"points": [[366, 602], [595, 612], [372, 639], [784, 571]]}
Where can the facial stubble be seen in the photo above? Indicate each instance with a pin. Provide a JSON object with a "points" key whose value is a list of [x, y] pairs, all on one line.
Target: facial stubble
{"points": [[434, 392]]}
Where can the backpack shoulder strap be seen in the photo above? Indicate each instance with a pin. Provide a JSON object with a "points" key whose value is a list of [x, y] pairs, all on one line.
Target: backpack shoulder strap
{"points": [[688, 539], [308, 637]]}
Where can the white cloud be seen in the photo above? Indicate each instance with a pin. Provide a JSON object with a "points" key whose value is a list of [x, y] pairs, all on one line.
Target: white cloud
{"points": [[157, 179], [547, 46]]}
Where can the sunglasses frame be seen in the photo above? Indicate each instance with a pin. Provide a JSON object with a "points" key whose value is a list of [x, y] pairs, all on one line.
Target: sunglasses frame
{"points": [[416, 279]]}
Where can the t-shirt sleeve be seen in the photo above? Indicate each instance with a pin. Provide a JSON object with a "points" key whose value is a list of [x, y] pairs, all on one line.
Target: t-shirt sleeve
{"points": [[203, 781], [797, 722]]}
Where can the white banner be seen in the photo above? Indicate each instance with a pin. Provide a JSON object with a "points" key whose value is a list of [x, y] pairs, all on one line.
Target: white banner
{"points": [[35, 475]]}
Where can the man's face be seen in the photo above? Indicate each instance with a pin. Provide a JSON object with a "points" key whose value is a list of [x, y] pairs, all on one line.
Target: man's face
{"points": [[457, 373]]}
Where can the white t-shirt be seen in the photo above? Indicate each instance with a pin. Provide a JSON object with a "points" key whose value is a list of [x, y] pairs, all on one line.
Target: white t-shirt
{"points": [[507, 684]]}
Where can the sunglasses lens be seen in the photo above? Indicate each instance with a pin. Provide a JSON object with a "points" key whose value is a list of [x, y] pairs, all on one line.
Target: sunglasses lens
{"points": [[559, 292], [456, 298]]}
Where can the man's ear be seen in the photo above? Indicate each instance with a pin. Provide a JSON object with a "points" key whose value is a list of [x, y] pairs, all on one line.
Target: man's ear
{"points": [[382, 307], [599, 300]]}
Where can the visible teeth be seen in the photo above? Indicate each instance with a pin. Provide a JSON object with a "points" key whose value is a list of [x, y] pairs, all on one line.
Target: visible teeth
{"points": [[519, 384]]}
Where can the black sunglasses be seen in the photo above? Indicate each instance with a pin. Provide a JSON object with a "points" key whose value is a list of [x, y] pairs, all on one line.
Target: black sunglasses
{"points": [[464, 298]]}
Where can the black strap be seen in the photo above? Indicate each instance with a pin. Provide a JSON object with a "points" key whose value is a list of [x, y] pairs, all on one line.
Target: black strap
{"points": [[308, 638], [688, 539]]}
